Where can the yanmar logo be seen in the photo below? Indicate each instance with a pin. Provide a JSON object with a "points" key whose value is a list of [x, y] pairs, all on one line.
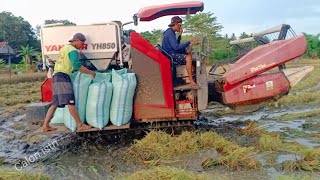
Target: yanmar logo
{"points": [[53, 48]]}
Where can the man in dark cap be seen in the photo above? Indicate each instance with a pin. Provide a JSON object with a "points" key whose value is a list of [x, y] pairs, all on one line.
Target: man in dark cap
{"points": [[68, 61], [177, 50]]}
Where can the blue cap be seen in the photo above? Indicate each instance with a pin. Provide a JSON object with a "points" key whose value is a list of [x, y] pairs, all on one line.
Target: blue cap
{"points": [[175, 20]]}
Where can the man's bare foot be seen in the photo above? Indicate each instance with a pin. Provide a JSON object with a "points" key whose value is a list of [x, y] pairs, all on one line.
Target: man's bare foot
{"points": [[48, 128], [83, 127]]}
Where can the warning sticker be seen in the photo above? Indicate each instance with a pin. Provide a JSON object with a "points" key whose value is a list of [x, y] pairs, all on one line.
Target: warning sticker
{"points": [[269, 85]]}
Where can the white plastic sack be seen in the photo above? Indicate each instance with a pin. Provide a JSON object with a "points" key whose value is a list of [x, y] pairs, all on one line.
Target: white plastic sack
{"points": [[98, 104], [58, 117], [69, 122], [102, 77], [81, 85], [124, 86], [119, 72]]}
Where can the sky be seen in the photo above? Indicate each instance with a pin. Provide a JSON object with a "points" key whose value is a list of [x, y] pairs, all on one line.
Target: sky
{"points": [[236, 16]]}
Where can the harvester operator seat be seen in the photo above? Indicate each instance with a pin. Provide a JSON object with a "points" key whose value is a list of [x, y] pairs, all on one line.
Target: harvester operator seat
{"points": [[174, 65]]}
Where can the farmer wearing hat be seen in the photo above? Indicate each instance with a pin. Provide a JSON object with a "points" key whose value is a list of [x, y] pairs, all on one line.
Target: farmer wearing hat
{"points": [[177, 50], [62, 89]]}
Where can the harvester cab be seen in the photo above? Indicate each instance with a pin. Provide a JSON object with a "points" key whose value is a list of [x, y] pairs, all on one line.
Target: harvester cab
{"points": [[159, 95], [187, 100]]}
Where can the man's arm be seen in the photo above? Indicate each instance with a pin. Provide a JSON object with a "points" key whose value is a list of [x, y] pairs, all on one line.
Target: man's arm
{"points": [[179, 39], [73, 56], [87, 71], [180, 35], [174, 44]]}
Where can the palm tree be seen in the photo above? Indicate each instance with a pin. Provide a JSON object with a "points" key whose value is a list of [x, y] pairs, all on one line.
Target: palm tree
{"points": [[26, 53]]}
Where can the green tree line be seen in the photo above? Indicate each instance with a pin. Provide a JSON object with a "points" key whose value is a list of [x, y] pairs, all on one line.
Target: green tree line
{"points": [[24, 39], [206, 25]]}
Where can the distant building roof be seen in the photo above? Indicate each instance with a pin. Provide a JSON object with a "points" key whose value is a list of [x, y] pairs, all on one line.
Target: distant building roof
{"points": [[2, 44], [6, 49]]}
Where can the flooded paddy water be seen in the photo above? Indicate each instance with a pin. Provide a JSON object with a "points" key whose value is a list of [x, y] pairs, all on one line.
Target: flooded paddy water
{"points": [[279, 141]]}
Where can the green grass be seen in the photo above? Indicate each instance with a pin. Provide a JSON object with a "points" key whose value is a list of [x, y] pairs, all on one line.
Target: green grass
{"points": [[13, 94], [273, 142], [294, 178], [164, 173], [312, 79], [269, 143], [310, 157], [303, 98], [307, 91], [15, 175], [156, 147], [252, 129], [17, 92], [300, 115], [26, 77]]}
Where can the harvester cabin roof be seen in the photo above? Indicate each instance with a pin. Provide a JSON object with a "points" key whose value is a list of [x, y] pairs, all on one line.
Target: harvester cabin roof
{"points": [[183, 8]]}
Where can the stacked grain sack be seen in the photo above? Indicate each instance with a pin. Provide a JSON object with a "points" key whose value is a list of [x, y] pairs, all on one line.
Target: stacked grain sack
{"points": [[58, 117], [124, 85], [81, 85], [99, 100]]}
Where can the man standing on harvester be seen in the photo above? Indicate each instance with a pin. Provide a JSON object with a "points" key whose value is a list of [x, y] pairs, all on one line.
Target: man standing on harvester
{"points": [[62, 89]]}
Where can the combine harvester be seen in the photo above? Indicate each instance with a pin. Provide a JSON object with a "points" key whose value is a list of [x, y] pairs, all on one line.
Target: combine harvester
{"points": [[162, 98]]}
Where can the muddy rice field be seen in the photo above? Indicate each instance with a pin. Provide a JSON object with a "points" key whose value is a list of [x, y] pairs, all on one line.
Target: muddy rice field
{"points": [[279, 141]]}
